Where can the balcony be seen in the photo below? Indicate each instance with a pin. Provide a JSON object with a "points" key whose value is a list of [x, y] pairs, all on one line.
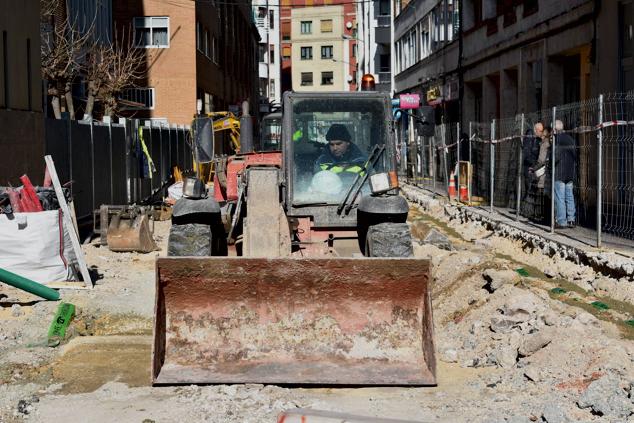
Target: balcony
{"points": [[385, 77]]}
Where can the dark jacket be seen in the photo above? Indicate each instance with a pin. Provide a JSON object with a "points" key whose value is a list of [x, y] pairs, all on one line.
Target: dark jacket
{"points": [[530, 150], [565, 158], [353, 158]]}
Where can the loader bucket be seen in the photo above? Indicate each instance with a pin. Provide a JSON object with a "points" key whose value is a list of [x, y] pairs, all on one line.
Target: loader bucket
{"points": [[320, 321], [130, 234]]}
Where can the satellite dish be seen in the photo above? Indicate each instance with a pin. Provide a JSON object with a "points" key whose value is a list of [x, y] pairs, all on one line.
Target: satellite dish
{"points": [[348, 24], [349, 78]]}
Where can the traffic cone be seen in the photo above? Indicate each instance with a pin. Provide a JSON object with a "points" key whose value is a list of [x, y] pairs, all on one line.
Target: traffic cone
{"points": [[464, 193], [452, 185]]}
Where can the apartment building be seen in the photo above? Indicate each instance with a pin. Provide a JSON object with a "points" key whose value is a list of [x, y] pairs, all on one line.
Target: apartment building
{"points": [[267, 19], [21, 117], [319, 53], [374, 23], [345, 34], [516, 56], [194, 51]]}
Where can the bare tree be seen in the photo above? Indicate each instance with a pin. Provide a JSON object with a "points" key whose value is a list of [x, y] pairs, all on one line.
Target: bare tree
{"points": [[123, 70], [98, 59], [62, 48]]}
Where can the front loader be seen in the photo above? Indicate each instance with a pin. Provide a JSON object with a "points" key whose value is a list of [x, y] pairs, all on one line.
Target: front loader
{"points": [[319, 286]]}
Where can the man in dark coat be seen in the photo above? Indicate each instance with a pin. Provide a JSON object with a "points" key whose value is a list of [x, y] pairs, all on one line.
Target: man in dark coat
{"points": [[565, 170], [341, 155]]}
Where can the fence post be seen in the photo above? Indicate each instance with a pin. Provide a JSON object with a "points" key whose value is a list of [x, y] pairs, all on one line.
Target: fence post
{"points": [[126, 134], [470, 177], [519, 170], [444, 155], [70, 155], [600, 173], [492, 165], [92, 164], [458, 160], [434, 168], [110, 153], [552, 172]]}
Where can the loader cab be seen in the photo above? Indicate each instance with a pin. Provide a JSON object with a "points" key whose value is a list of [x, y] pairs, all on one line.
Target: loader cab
{"points": [[271, 132], [317, 176]]}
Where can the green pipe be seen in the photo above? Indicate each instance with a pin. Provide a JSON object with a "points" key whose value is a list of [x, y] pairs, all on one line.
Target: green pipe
{"points": [[28, 285]]}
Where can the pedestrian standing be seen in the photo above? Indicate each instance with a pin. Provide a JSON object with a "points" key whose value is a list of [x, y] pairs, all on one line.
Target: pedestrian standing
{"points": [[565, 169]]}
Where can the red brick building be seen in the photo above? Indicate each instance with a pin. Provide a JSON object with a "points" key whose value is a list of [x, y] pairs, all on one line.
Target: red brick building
{"points": [[195, 50], [350, 34]]}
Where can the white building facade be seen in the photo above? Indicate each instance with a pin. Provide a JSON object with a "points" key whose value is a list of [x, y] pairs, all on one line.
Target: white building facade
{"points": [[267, 19], [374, 41]]}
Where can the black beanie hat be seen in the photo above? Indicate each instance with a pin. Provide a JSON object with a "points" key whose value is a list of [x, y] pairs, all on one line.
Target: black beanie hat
{"points": [[338, 132]]}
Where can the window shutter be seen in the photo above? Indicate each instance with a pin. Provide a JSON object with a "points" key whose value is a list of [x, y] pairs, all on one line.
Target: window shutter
{"points": [[326, 25]]}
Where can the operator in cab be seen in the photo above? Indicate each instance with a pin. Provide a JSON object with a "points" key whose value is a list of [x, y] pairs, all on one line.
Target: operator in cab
{"points": [[341, 155]]}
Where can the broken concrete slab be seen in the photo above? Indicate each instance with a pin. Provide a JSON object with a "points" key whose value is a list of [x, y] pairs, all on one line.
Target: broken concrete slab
{"points": [[303, 415], [498, 278]]}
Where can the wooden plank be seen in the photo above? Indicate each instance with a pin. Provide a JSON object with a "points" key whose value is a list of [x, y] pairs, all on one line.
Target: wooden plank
{"points": [[74, 238]]}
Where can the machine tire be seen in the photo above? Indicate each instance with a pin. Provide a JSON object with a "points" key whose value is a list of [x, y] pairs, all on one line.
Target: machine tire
{"points": [[389, 240]]}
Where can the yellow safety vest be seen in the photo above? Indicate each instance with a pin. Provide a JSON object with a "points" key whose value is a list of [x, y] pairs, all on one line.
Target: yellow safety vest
{"points": [[335, 168]]}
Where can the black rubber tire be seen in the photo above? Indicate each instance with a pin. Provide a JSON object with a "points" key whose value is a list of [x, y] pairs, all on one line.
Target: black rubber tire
{"points": [[389, 240]]}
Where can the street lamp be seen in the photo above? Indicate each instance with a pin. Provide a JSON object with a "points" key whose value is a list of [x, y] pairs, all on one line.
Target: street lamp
{"points": [[343, 61], [351, 38]]}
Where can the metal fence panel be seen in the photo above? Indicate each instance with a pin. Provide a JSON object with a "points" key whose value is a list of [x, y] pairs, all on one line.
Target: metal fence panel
{"points": [[58, 146], [102, 166], [119, 159], [82, 174], [480, 138], [618, 165]]}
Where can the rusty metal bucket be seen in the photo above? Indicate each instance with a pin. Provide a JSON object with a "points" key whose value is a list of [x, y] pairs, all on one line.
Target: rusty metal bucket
{"points": [[357, 321], [130, 233]]}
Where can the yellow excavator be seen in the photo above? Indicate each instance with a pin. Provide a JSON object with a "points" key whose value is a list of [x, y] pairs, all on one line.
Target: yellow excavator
{"points": [[217, 122], [319, 286]]}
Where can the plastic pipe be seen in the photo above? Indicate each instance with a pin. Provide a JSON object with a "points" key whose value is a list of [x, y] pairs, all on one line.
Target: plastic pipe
{"points": [[28, 285]]}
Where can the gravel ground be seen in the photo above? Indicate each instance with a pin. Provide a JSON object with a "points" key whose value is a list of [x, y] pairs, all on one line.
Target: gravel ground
{"points": [[512, 346]]}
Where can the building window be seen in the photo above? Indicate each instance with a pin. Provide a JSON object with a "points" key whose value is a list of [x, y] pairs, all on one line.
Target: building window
{"points": [[286, 53], [199, 36], [384, 63], [208, 103], [326, 52], [306, 53], [326, 25], [530, 7], [207, 46], [326, 78], [306, 27], [271, 19], [355, 49], [272, 92], [260, 20], [214, 45], [262, 53], [272, 53], [307, 79], [151, 32], [384, 7], [137, 98]]}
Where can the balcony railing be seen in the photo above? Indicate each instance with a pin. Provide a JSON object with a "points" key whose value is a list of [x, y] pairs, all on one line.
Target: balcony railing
{"points": [[383, 20], [385, 77]]}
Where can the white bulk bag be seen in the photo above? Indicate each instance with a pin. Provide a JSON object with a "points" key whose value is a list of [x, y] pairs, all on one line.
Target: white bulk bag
{"points": [[35, 246]]}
